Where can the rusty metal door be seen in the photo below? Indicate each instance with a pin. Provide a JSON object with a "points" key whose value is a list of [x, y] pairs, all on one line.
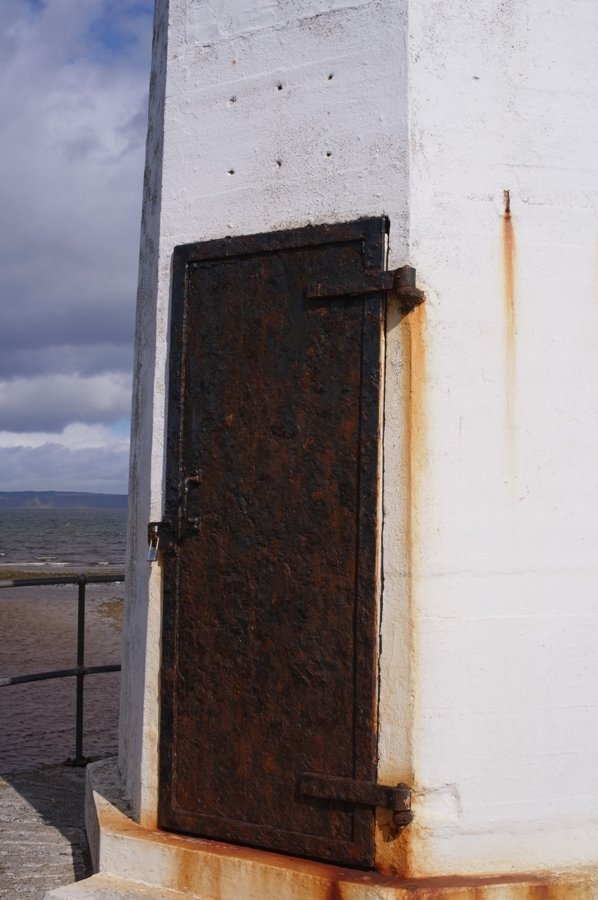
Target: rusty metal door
{"points": [[271, 583]]}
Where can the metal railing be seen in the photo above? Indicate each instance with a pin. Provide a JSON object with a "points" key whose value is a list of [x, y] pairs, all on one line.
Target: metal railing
{"points": [[80, 670]]}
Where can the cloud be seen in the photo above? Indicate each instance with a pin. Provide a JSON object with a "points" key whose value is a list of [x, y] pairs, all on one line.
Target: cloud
{"points": [[72, 135], [73, 100], [102, 470], [77, 436], [52, 402], [81, 457]]}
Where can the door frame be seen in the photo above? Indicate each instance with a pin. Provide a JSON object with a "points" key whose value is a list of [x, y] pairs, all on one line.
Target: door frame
{"points": [[372, 233]]}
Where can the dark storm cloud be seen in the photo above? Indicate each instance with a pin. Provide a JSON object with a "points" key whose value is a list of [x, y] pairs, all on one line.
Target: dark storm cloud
{"points": [[81, 359], [37, 325], [73, 97]]}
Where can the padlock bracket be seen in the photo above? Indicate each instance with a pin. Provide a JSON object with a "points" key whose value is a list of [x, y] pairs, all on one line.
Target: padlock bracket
{"points": [[160, 534]]}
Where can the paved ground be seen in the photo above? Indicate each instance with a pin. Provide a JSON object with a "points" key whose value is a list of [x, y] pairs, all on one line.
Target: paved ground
{"points": [[42, 831]]}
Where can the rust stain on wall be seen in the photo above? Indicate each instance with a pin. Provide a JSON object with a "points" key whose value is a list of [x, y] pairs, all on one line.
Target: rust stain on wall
{"points": [[509, 266], [415, 435], [415, 438], [209, 868], [395, 855], [187, 864], [516, 887]]}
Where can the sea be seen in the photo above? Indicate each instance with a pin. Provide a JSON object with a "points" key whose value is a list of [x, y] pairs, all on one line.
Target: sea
{"points": [[62, 540], [38, 633]]}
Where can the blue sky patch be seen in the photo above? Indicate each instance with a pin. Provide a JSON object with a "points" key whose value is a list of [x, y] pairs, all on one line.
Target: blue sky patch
{"points": [[118, 31]]}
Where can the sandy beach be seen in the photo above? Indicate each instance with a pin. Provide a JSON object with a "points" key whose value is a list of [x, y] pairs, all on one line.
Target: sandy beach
{"points": [[38, 629]]}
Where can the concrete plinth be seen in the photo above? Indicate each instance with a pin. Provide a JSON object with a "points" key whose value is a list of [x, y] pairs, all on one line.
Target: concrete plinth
{"points": [[137, 862]]}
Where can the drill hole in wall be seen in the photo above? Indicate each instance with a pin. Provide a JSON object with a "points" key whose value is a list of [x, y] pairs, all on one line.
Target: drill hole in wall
{"points": [[231, 172]]}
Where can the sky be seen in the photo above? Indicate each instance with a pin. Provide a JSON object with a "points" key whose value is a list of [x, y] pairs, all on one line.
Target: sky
{"points": [[74, 78]]}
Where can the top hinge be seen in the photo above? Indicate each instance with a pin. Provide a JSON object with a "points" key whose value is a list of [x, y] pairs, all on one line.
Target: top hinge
{"points": [[400, 282]]}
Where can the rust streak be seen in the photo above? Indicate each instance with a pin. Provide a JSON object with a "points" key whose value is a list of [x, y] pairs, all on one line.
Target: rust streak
{"points": [[185, 871], [415, 428], [416, 407], [413, 328], [417, 397], [509, 261]]}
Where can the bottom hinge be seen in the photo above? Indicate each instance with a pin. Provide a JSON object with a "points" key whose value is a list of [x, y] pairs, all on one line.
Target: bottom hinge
{"points": [[359, 793]]}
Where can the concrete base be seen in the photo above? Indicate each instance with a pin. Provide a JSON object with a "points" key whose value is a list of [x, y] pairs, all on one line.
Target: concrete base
{"points": [[106, 887], [138, 862]]}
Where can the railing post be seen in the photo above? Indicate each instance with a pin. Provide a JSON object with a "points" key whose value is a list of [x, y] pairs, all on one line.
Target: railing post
{"points": [[79, 759]]}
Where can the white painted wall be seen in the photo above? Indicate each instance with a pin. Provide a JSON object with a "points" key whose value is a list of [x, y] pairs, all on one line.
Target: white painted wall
{"points": [[488, 670], [138, 732], [341, 144], [502, 95]]}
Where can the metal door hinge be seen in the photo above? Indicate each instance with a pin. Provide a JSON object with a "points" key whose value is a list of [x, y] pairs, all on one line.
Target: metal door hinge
{"points": [[359, 793], [160, 535], [400, 282]]}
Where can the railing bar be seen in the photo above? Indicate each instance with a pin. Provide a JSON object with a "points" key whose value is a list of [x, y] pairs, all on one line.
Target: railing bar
{"points": [[61, 673], [97, 670], [62, 579], [81, 670], [37, 676]]}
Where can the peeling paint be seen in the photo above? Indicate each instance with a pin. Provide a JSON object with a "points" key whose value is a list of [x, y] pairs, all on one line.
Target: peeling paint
{"points": [[439, 806]]}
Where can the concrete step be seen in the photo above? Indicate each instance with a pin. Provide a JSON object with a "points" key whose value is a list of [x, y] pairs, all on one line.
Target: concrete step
{"points": [[108, 887], [199, 869]]}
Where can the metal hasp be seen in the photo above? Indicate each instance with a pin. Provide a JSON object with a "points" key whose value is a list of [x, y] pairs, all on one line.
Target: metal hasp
{"points": [[360, 793], [271, 589]]}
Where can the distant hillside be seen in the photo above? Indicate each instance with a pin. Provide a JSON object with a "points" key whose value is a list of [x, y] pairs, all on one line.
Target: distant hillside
{"points": [[60, 500]]}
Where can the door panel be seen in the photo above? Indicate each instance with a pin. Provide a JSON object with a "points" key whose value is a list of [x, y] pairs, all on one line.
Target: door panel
{"points": [[271, 598]]}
